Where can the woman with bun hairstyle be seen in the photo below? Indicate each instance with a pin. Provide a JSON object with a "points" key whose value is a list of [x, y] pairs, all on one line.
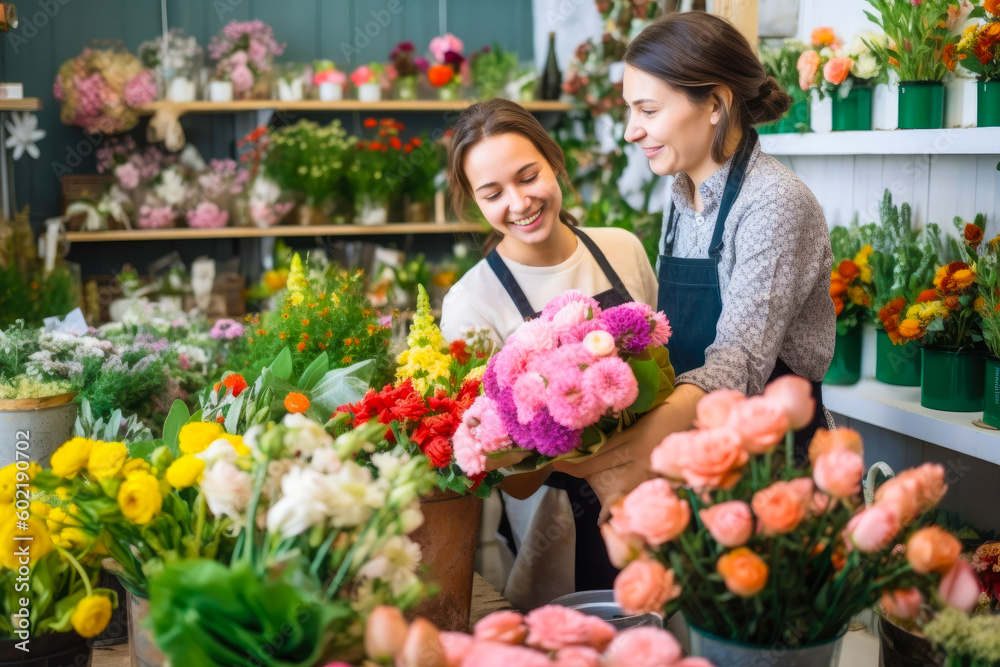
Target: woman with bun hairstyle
{"points": [[744, 267], [504, 167]]}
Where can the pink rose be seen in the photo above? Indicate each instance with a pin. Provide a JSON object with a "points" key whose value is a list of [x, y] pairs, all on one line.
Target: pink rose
{"points": [[808, 65], [621, 549], [385, 632], [494, 654], [873, 529], [730, 523], [839, 473], [761, 423], [506, 627], [643, 646], [714, 459], [782, 506], [836, 70], [456, 645], [794, 395], [902, 603], [645, 585], [668, 459], [913, 492], [578, 656], [652, 511], [600, 343], [570, 315], [422, 647], [713, 409], [960, 588], [553, 627]]}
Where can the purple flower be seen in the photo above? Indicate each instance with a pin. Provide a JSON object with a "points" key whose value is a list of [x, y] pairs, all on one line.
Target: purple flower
{"points": [[552, 438], [629, 328], [385, 321], [421, 63], [227, 329]]}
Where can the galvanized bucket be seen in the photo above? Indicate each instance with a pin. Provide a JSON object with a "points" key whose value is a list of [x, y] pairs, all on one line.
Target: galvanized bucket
{"points": [[602, 604], [29, 428]]}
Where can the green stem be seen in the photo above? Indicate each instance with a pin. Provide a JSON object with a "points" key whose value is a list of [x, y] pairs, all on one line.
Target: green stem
{"points": [[324, 549], [342, 571], [79, 568], [251, 515], [789, 454], [199, 525]]}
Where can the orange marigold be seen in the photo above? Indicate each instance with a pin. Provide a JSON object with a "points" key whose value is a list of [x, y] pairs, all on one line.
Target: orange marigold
{"points": [[911, 329], [948, 56], [345, 360], [987, 38], [973, 234], [322, 346], [301, 347], [282, 335], [848, 270], [889, 316], [954, 278], [838, 286], [235, 383], [992, 6], [296, 402], [952, 302], [927, 295]]}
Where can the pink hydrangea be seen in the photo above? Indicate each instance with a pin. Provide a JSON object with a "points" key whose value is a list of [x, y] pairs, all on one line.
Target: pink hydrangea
{"points": [[127, 175], [155, 217], [207, 215], [140, 89]]}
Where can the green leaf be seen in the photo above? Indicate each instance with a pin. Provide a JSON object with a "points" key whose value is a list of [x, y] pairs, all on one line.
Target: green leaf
{"points": [[114, 422], [143, 449], [314, 372], [281, 367], [235, 412], [176, 418], [342, 385], [647, 374]]}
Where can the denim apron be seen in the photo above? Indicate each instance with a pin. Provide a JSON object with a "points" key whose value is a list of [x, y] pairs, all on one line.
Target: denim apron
{"points": [[594, 570], [689, 293]]}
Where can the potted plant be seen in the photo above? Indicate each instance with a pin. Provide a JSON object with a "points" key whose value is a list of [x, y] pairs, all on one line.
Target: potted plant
{"points": [[988, 280], [419, 172], [292, 82], [368, 79], [492, 69], [782, 64], [968, 640], [449, 65], [244, 53], [850, 272], [405, 68], [375, 173], [845, 74], [329, 81], [978, 50], [919, 41], [176, 61]]}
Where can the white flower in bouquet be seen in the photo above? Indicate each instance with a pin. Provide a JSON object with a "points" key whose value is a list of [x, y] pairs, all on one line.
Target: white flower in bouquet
{"points": [[395, 562], [410, 519], [865, 66], [219, 450], [171, 189], [227, 490], [307, 436], [389, 465], [307, 500], [326, 460], [356, 495], [265, 191]]}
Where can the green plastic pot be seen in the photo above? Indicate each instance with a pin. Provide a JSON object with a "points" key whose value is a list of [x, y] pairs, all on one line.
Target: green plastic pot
{"points": [[896, 364], [845, 368], [853, 112], [921, 105], [991, 392], [952, 381], [797, 118], [988, 103]]}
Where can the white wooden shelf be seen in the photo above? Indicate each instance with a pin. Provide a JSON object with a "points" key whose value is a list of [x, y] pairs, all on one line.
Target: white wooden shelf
{"points": [[185, 233], [201, 106], [951, 141], [898, 409]]}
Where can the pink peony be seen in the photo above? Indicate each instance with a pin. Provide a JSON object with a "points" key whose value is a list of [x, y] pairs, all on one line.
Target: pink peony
{"points": [[730, 523], [456, 646], [873, 529], [645, 585], [761, 423], [836, 70], [622, 549], [960, 588], [794, 395], [839, 473], [652, 511], [781, 507], [715, 459], [553, 627], [713, 409], [808, 65], [506, 627], [578, 656], [600, 343], [643, 646], [439, 46], [611, 382], [207, 215], [385, 632], [902, 603], [669, 457]]}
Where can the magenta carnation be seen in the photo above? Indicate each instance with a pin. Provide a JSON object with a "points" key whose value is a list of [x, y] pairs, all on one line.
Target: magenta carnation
{"points": [[629, 327]]}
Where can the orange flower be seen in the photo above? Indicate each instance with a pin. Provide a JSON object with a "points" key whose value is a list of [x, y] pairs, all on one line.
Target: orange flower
{"points": [[948, 56], [954, 278], [296, 402], [823, 36], [927, 295], [889, 315], [973, 234], [839, 439], [848, 270], [952, 302], [304, 336], [329, 334], [440, 75], [235, 383], [305, 323], [992, 6], [911, 329], [322, 346], [395, 143], [985, 41], [282, 335], [893, 62], [370, 122], [743, 572], [301, 347], [838, 305], [221, 419], [838, 285], [345, 360], [261, 332], [932, 549]]}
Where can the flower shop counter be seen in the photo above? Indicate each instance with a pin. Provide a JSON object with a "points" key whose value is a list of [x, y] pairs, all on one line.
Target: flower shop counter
{"points": [[898, 409]]}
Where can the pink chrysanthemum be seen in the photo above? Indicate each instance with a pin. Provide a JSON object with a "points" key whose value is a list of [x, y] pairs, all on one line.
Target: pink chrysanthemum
{"points": [[510, 363], [467, 451], [613, 381], [486, 426], [569, 296], [529, 396], [569, 403], [661, 329], [571, 315], [574, 356], [535, 336]]}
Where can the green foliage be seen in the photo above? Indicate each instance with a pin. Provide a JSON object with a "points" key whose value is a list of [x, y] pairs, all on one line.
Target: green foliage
{"points": [[781, 63], [32, 295], [310, 159], [920, 28], [492, 68], [116, 428]]}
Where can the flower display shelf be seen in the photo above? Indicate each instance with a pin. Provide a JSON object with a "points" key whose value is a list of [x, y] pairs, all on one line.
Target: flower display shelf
{"points": [[949, 141], [898, 409], [25, 104], [179, 109], [186, 233]]}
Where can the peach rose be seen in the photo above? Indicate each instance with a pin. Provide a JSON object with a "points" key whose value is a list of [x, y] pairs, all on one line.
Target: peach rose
{"points": [[506, 627], [729, 523], [781, 507], [836, 70], [873, 529], [456, 647], [960, 587], [652, 511], [839, 438], [715, 459], [643, 646], [645, 585], [808, 65], [578, 656], [385, 632], [902, 603], [669, 457], [553, 627], [423, 647], [743, 572], [839, 472], [494, 654], [622, 549], [794, 395], [932, 549], [914, 491], [761, 423], [713, 409]]}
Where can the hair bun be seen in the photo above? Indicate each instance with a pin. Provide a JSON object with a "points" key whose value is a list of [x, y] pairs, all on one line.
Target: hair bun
{"points": [[771, 102]]}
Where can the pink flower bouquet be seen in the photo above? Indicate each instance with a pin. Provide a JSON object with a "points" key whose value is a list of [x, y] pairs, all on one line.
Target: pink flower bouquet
{"points": [[563, 381], [550, 636], [244, 51], [767, 553], [100, 89]]}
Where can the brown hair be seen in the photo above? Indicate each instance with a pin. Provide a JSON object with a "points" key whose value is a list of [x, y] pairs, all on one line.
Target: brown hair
{"points": [[695, 52], [492, 118]]}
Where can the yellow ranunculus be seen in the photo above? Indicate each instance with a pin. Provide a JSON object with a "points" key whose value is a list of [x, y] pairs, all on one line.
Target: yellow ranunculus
{"points": [[71, 457], [139, 498], [197, 436], [106, 459], [185, 471], [91, 616], [59, 518], [295, 298], [8, 480], [134, 465], [72, 539], [39, 509], [39, 545]]}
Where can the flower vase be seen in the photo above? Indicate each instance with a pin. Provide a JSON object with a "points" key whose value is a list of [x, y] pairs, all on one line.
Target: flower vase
{"points": [[853, 112], [991, 393], [846, 365], [310, 215], [406, 88], [142, 648], [181, 89], [35, 426], [722, 651], [952, 381], [900, 648], [448, 539], [896, 364], [290, 90], [988, 103], [448, 92], [921, 105], [330, 92], [418, 211], [369, 92], [372, 211], [220, 91]]}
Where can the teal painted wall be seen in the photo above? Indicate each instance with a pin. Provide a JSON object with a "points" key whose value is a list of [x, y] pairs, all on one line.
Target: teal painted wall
{"points": [[349, 32]]}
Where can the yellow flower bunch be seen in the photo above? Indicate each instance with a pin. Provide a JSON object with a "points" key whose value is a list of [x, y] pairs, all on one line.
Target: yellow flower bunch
{"points": [[427, 361], [185, 472], [195, 437], [37, 533], [140, 498], [861, 261], [8, 481], [297, 281]]}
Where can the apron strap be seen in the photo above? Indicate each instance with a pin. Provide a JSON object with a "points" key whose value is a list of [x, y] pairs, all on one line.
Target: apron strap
{"points": [[510, 284], [670, 233], [734, 183], [602, 261]]}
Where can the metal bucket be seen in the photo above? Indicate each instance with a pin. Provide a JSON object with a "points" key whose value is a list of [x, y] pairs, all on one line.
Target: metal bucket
{"points": [[602, 605], [733, 654], [34, 431]]}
